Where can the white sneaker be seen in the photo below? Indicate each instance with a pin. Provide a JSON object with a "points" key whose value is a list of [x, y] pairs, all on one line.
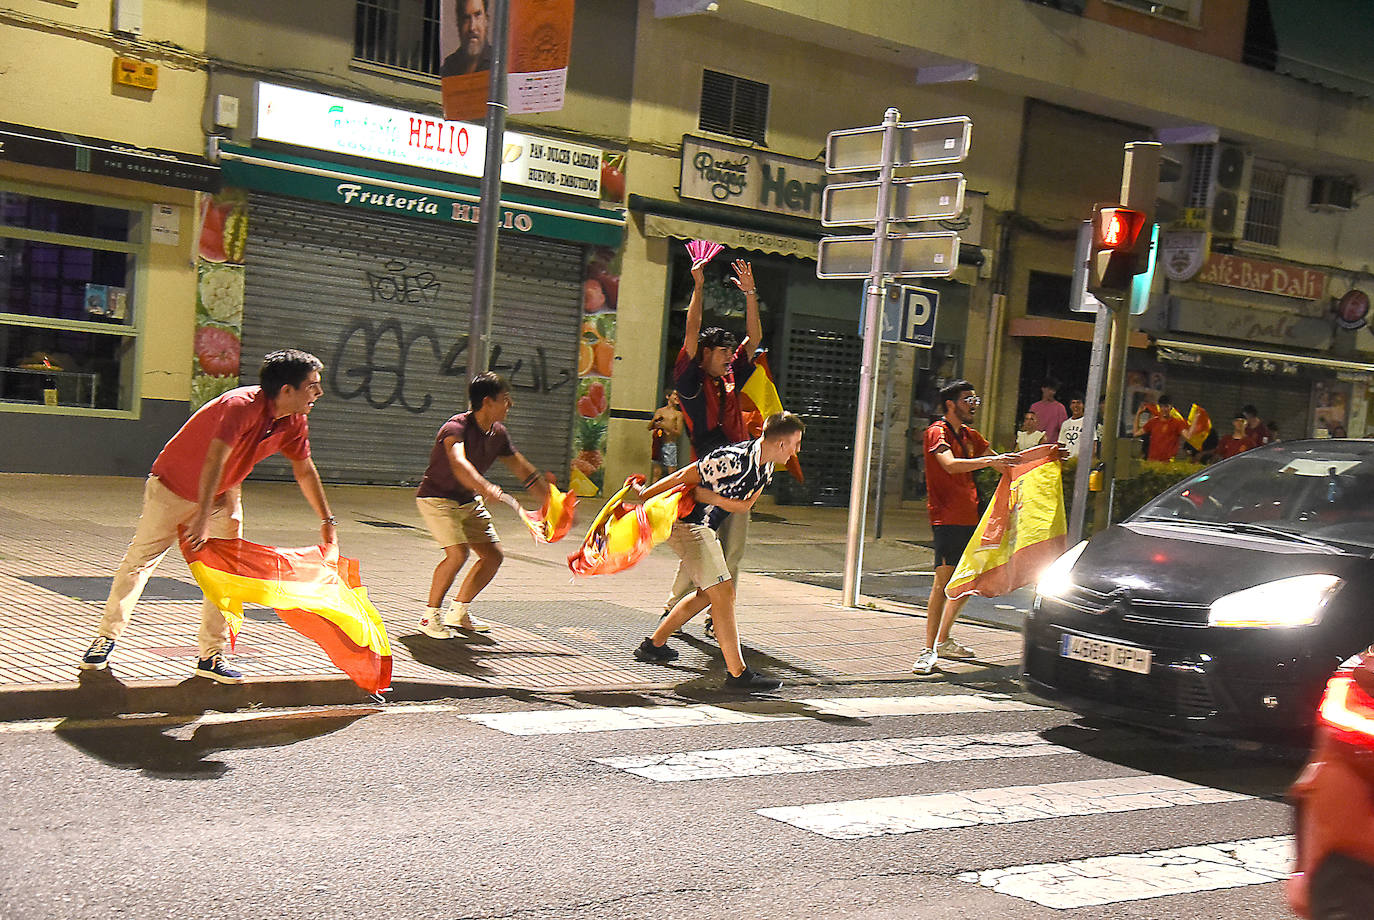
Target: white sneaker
{"points": [[457, 617], [925, 662], [951, 649], [430, 625]]}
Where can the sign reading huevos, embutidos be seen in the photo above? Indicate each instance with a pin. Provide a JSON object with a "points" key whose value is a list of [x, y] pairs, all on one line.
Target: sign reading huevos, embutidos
{"points": [[361, 129], [746, 177]]}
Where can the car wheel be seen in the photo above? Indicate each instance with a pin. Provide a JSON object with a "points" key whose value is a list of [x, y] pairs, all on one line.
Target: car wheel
{"points": [[1342, 889]]}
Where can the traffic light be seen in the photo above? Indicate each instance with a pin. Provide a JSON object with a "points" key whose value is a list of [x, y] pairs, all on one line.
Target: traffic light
{"points": [[1122, 232], [1116, 233]]}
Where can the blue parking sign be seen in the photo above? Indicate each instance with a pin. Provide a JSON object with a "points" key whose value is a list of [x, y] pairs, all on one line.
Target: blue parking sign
{"points": [[909, 315]]}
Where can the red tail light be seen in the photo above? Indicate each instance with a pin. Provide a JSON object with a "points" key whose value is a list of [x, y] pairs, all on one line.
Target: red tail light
{"points": [[1348, 709]]}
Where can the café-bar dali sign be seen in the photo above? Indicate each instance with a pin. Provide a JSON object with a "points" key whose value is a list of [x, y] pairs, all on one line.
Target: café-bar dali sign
{"points": [[1265, 277], [746, 177]]}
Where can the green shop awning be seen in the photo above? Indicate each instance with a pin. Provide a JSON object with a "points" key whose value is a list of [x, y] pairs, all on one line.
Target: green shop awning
{"points": [[372, 190]]}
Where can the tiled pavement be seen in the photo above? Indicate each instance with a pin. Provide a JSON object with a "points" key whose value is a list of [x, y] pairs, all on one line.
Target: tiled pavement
{"points": [[61, 537]]}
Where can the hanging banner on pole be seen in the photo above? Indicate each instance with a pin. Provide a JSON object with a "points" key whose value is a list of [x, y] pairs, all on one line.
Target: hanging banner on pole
{"points": [[539, 49]]}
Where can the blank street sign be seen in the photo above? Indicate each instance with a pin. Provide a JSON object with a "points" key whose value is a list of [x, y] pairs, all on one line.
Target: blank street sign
{"points": [[919, 143], [855, 204], [909, 255]]}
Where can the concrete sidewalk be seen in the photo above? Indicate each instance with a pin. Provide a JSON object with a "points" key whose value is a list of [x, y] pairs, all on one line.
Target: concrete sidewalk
{"points": [[61, 538]]}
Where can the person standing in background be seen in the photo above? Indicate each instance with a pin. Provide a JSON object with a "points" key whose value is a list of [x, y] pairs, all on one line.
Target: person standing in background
{"points": [[1255, 427], [1029, 434], [667, 428], [1049, 410]]}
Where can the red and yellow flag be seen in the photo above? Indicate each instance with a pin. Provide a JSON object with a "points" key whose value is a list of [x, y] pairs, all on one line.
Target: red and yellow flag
{"points": [[1199, 427], [1022, 531], [622, 534], [759, 399], [314, 590], [552, 522]]}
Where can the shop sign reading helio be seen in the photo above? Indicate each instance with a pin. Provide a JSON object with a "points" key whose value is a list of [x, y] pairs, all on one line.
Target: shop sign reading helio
{"points": [[360, 129], [746, 177]]}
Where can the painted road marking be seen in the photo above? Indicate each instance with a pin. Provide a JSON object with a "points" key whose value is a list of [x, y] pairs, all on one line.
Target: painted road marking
{"points": [[217, 718], [905, 814], [1139, 876], [625, 718], [835, 755]]}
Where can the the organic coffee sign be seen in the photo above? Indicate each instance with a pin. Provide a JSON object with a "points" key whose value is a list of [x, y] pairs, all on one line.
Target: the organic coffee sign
{"points": [[745, 177]]}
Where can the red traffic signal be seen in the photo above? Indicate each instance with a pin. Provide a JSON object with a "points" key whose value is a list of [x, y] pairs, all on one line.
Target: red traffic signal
{"points": [[1116, 229]]}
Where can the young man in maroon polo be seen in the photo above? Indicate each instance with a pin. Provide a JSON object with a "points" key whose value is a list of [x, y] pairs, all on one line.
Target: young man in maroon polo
{"points": [[195, 484], [953, 450]]}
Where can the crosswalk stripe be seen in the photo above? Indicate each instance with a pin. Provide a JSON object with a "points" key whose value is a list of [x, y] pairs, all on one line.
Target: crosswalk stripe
{"points": [[607, 719], [1138, 876], [904, 814], [833, 755]]}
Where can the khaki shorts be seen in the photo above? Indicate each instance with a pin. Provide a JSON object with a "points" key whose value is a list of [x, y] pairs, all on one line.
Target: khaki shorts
{"points": [[452, 523], [703, 559]]}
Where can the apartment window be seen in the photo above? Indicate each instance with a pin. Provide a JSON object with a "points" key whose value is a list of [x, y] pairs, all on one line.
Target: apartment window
{"points": [[403, 34], [1184, 11], [67, 307], [734, 106], [1264, 214]]}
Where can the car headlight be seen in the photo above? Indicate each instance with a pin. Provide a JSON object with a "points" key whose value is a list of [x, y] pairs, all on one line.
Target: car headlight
{"points": [[1288, 602], [1055, 580]]}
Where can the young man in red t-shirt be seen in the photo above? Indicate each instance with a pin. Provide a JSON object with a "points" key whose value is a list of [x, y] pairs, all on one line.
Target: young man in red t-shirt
{"points": [[953, 450], [1238, 441], [195, 483], [1165, 429]]}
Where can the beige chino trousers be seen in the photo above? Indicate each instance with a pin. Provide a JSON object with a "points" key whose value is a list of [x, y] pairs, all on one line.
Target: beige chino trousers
{"points": [[163, 512]]}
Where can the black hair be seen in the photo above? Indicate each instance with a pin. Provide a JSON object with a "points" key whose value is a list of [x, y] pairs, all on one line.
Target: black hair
{"points": [[484, 386], [1077, 396], [716, 337], [1164, 400], [1050, 383], [782, 424], [952, 392], [286, 368], [1249, 409]]}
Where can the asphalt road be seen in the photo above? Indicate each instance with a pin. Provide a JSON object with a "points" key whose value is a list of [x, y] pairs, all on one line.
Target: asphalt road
{"points": [[702, 808]]}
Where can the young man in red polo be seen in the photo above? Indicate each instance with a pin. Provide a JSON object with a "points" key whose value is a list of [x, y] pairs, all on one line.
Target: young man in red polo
{"points": [[953, 450], [195, 484]]}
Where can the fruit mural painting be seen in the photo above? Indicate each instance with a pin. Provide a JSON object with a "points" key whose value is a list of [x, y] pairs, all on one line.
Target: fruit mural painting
{"points": [[219, 295], [595, 366]]}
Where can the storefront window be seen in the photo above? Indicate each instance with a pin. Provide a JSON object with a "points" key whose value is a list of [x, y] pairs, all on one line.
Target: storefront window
{"points": [[67, 270]]}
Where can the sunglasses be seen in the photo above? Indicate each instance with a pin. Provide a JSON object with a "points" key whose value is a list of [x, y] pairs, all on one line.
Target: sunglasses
{"points": [[974, 401]]}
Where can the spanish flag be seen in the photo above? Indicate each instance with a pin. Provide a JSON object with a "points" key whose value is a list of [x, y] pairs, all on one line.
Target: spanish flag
{"points": [[1199, 427], [759, 399], [1022, 531], [314, 589], [622, 534], [552, 522]]}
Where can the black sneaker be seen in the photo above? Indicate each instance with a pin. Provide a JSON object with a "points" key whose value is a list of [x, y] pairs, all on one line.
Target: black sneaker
{"points": [[751, 681], [98, 655], [217, 668], [655, 654]]}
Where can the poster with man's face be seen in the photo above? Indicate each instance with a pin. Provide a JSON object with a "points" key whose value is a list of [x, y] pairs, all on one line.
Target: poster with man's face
{"points": [[536, 58]]}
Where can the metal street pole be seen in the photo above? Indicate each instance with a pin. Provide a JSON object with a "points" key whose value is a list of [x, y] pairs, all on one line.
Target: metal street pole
{"points": [[1093, 392], [879, 499], [1111, 415], [484, 271], [863, 423]]}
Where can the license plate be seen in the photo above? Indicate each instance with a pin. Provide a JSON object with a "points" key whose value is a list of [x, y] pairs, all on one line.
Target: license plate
{"points": [[1107, 654]]}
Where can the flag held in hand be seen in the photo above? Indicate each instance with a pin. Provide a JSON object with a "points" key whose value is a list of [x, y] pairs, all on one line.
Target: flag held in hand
{"points": [[622, 533]]}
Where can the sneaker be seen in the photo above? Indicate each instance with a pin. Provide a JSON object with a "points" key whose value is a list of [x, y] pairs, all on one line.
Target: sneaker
{"points": [[709, 629], [751, 681], [430, 626], [98, 655], [925, 663], [217, 668], [655, 654], [459, 618], [952, 649]]}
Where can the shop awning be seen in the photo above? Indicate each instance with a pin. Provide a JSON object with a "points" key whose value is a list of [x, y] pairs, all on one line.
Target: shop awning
{"points": [[1255, 360], [116, 159], [367, 189], [735, 237], [1325, 43]]}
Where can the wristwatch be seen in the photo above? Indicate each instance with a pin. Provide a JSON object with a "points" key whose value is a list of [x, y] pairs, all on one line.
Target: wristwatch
{"points": [[330, 520]]}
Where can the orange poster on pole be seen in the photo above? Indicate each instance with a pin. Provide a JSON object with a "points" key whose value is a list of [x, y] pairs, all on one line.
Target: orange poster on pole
{"points": [[536, 61]]}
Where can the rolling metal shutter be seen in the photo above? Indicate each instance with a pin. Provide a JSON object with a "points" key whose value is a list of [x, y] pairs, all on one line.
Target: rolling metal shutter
{"points": [[385, 303], [822, 386], [1286, 401]]}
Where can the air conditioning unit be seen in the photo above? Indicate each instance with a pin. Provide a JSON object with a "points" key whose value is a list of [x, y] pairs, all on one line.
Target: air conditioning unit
{"points": [[1330, 193], [1220, 183]]}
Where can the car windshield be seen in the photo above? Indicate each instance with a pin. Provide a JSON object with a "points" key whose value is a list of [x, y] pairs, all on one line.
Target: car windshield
{"points": [[1299, 491]]}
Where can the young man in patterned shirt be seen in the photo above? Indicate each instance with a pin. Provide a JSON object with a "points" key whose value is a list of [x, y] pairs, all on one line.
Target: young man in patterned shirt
{"points": [[724, 482]]}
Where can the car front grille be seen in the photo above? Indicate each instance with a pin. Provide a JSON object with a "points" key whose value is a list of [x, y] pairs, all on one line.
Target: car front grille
{"points": [[1139, 610]]}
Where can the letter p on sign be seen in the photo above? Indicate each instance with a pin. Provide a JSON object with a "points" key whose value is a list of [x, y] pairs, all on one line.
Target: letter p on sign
{"points": [[912, 314]]}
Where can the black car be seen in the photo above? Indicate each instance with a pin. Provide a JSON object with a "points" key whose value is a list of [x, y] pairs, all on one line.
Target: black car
{"points": [[1221, 606]]}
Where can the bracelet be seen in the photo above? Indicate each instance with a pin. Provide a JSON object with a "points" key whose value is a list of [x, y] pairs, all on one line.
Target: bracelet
{"points": [[530, 480], [750, 291], [330, 520]]}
